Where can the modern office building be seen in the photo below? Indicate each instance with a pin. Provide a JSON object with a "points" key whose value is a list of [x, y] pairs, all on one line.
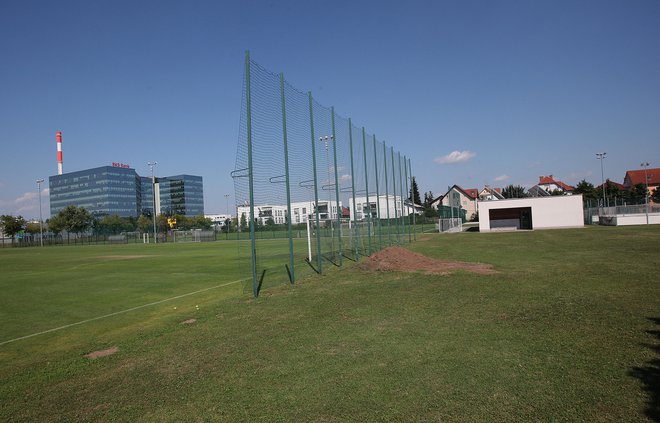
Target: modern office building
{"points": [[118, 189]]}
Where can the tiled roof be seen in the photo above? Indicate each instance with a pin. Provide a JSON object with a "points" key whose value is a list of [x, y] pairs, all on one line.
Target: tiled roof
{"points": [[616, 184], [547, 180], [634, 177]]}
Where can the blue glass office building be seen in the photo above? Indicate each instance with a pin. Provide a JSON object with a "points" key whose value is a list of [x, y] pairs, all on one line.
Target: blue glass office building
{"points": [[181, 194], [110, 190]]}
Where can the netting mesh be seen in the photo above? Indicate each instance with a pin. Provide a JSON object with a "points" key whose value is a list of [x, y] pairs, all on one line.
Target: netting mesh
{"points": [[312, 188]]}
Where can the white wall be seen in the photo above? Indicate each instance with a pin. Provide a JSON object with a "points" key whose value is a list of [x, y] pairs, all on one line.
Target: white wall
{"points": [[547, 212]]}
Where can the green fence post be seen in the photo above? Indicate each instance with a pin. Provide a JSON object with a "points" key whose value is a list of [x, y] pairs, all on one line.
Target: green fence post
{"points": [[366, 183], [350, 141], [339, 211], [316, 189], [292, 273], [387, 198], [396, 218], [253, 244], [403, 199], [408, 189], [414, 208], [379, 215]]}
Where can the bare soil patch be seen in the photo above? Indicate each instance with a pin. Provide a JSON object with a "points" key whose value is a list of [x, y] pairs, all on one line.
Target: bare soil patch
{"points": [[397, 259], [101, 353], [189, 321]]}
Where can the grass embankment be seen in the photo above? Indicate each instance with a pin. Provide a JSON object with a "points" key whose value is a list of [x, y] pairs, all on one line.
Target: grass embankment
{"points": [[565, 331]]}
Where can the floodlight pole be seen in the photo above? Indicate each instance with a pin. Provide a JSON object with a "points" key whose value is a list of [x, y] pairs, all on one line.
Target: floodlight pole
{"points": [[227, 203], [645, 165], [41, 220], [601, 156], [153, 192]]}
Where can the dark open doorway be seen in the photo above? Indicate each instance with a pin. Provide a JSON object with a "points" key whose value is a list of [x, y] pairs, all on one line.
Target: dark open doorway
{"points": [[518, 218]]}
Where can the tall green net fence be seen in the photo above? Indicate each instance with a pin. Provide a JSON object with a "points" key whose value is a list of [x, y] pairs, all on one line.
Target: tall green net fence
{"points": [[324, 189]]}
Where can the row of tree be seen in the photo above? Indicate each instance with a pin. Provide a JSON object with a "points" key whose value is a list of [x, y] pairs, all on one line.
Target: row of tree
{"points": [[72, 219]]}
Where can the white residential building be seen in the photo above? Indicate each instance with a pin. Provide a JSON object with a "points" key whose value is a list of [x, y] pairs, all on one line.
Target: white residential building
{"points": [[299, 212]]}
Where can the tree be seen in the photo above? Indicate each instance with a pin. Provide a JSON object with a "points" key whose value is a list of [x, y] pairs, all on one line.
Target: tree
{"points": [[243, 226], [512, 191], [428, 199], [114, 225], [586, 189], [228, 225], [11, 225], [144, 224], [161, 223], [638, 193], [33, 228], [200, 222], [72, 219], [414, 192]]}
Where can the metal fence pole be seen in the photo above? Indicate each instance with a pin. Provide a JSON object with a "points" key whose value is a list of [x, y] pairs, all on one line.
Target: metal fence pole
{"points": [[408, 192], [414, 208], [396, 218], [378, 212], [316, 189], [366, 189], [253, 246], [387, 198], [292, 273], [339, 210], [350, 141]]}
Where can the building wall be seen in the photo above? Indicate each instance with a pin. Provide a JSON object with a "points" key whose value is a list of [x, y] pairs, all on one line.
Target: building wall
{"points": [[110, 190], [547, 212], [385, 204], [103, 191]]}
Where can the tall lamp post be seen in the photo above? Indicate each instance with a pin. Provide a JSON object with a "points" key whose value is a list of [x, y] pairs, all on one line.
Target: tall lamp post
{"points": [[227, 211], [601, 157], [645, 165], [153, 190], [41, 220]]}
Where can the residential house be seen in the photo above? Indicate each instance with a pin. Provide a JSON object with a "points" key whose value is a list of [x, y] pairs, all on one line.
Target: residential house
{"points": [[490, 194], [459, 197], [634, 177], [549, 185]]}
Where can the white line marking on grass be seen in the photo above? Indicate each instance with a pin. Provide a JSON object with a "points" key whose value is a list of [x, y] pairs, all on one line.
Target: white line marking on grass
{"points": [[121, 312]]}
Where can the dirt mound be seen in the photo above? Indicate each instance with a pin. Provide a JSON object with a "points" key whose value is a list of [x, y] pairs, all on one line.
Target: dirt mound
{"points": [[101, 353], [401, 260]]}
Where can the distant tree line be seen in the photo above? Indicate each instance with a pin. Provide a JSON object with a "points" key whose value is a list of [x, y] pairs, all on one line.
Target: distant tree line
{"points": [[77, 220]]}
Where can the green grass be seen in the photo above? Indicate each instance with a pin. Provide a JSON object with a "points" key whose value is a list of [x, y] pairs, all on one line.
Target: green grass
{"points": [[564, 332]]}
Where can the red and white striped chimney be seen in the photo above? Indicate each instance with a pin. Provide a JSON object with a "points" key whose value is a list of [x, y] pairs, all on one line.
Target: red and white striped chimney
{"points": [[59, 152]]}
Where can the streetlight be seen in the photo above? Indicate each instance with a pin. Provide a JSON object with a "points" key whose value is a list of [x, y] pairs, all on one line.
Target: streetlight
{"points": [[227, 204], [41, 220], [645, 165], [601, 156], [153, 189]]}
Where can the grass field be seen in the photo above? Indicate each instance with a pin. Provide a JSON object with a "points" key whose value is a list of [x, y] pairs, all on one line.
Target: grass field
{"points": [[568, 330]]}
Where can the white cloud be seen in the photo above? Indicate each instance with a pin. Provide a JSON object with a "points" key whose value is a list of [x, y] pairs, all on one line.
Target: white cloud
{"points": [[502, 178], [27, 197], [455, 157], [344, 178]]}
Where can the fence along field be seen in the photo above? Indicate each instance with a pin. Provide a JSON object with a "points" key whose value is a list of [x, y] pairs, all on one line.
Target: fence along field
{"points": [[301, 165]]}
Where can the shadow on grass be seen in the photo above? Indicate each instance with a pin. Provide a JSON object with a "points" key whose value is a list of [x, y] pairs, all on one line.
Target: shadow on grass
{"points": [[649, 375]]}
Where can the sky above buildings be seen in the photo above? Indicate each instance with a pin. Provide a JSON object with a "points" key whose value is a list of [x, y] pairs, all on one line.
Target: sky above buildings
{"points": [[474, 92]]}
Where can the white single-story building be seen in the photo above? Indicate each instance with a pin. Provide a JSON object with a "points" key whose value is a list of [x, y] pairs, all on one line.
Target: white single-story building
{"points": [[531, 213]]}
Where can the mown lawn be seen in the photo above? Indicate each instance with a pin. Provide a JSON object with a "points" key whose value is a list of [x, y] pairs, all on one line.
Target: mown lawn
{"points": [[566, 331]]}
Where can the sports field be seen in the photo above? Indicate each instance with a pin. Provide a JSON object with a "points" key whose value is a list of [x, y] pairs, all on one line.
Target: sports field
{"points": [[566, 330]]}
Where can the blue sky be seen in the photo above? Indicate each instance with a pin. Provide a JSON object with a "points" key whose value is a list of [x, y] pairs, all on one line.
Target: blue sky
{"points": [[518, 88]]}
